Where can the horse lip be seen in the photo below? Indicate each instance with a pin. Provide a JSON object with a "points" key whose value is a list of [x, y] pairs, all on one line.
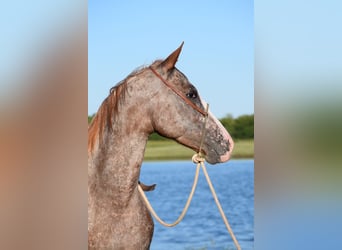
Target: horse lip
{"points": [[225, 157], [220, 159]]}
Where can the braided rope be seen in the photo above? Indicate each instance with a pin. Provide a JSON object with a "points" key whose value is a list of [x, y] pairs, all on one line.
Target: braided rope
{"points": [[185, 209], [200, 161]]}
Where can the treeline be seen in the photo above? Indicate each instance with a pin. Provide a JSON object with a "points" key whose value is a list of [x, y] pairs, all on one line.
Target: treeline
{"points": [[241, 127], [90, 117]]}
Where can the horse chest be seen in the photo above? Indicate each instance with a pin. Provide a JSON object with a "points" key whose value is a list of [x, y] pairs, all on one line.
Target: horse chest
{"points": [[129, 227]]}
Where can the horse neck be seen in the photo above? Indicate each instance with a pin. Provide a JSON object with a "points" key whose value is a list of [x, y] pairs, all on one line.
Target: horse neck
{"points": [[114, 165]]}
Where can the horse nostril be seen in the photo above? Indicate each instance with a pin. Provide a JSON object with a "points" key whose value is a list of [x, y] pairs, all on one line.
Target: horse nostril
{"points": [[227, 146]]}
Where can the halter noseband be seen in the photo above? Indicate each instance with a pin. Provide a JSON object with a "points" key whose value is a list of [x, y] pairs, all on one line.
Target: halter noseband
{"points": [[180, 94]]}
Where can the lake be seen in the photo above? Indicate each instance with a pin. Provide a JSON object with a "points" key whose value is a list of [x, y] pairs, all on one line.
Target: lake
{"points": [[202, 226]]}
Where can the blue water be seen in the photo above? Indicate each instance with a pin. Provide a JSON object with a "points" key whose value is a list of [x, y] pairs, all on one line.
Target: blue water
{"points": [[202, 227]]}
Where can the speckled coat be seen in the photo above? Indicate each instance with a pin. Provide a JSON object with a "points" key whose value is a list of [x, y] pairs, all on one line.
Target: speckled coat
{"points": [[117, 136]]}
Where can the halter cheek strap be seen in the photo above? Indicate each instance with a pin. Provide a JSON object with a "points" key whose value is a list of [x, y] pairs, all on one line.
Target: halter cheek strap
{"points": [[180, 94]]}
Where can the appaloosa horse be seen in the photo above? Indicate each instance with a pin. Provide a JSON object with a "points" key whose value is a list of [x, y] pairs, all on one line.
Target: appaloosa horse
{"points": [[156, 98]]}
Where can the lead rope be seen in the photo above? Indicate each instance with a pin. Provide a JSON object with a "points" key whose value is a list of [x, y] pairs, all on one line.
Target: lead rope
{"points": [[199, 160]]}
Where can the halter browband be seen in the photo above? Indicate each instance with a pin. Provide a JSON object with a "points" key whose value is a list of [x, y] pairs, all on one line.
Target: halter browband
{"points": [[180, 94]]}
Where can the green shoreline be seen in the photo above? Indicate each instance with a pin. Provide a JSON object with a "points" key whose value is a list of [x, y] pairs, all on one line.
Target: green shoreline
{"points": [[170, 150]]}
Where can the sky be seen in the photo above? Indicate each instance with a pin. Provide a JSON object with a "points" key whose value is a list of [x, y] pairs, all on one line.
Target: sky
{"points": [[217, 56]]}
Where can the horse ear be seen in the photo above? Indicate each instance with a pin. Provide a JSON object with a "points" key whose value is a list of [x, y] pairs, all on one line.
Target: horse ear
{"points": [[170, 62]]}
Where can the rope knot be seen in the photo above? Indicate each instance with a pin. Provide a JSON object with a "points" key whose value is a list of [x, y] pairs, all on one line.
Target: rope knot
{"points": [[197, 158]]}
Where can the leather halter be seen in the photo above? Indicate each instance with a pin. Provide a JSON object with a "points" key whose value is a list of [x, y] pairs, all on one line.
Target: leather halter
{"points": [[180, 94]]}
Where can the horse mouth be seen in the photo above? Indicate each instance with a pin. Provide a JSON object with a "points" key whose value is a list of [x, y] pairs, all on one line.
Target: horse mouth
{"points": [[214, 154], [217, 155], [225, 157]]}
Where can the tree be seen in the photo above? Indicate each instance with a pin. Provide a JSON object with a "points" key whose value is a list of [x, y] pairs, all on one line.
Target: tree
{"points": [[239, 128], [229, 123], [90, 118], [244, 127]]}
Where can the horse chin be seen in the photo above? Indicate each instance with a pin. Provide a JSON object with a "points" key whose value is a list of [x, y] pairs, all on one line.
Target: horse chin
{"points": [[215, 158], [212, 160], [212, 157], [220, 159]]}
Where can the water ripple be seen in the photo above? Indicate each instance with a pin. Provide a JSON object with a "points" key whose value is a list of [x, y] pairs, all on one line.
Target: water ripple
{"points": [[202, 227]]}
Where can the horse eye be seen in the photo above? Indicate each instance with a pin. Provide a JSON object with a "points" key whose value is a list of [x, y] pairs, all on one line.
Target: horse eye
{"points": [[192, 94]]}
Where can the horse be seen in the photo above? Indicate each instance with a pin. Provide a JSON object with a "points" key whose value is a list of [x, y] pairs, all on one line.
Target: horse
{"points": [[156, 98]]}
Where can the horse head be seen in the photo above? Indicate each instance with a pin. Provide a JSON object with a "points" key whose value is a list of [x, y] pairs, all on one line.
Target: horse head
{"points": [[179, 113]]}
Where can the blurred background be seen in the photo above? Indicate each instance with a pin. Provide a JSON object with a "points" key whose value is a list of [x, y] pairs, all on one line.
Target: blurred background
{"points": [[298, 62], [43, 127]]}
